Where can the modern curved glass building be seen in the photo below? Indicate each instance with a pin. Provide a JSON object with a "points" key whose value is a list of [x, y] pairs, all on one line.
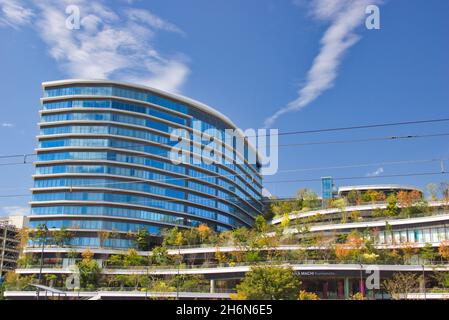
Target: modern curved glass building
{"points": [[103, 164]]}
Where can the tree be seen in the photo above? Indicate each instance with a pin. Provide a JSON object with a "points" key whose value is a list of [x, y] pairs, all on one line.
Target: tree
{"points": [[428, 253], [340, 204], [401, 284], [61, 237], [14, 281], [260, 224], [308, 198], [378, 212], [408, 251], [103, 236], [355, 215], [392, 206], [143, 239], [351, 249], [115, 260], [277, 208], [373, 196], [353, 197], [40, 234], [89, 270], [133, 259], [240, 236], [443, 249], [443, 187], [432, 189], [204, 232], [285, 221], [173, 237], [190, 283], [304, 295], [407, 200], [269, 283], [50, 278], [159, 256], [442, 278]]}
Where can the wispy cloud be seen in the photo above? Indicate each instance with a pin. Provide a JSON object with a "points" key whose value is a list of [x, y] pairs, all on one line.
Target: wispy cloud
{"points": [[375, 173], [14, 13], [344, 17], [6, 125], [111, 43], [15, 211]]}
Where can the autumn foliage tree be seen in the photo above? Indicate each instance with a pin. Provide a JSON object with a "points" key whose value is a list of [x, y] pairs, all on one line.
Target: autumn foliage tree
{"points": [[351, 249], [408, 199], [443, 249], [204, 232]]}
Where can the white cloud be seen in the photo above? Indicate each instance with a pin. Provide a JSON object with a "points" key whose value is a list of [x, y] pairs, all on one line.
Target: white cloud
{"points": [[375, 173], [344, 17], [7, 125], [110, 43], [16, 210], [14, 13], [146, 17]]}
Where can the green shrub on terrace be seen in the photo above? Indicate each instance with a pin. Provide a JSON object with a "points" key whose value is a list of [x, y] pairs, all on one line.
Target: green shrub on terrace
{"points": [[26, 260], [89, 270], [269, 283], [14, 281], [378, 212], [115, 260], [192, 283], [253, 256], [159, 256], [392, 209], [133, 259], [443, 279], [161, 286], [428, 252]]}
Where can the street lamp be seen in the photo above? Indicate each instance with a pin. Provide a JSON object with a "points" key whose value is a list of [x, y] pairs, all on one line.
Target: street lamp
{"points": [[42, 228], [177, 277], [424, 281]]}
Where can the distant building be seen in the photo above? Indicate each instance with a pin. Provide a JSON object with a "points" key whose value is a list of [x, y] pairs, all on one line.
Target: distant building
{"points": [[9, 246], [327, 190]]}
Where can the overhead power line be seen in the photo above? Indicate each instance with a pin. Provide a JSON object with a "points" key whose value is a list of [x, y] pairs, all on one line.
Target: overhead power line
{"points": [[367, 126], [362, 177], [391, 138], [355, 127]]}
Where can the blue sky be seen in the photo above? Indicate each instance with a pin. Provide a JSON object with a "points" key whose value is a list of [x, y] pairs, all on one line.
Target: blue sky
{"points": [[248, 59]]}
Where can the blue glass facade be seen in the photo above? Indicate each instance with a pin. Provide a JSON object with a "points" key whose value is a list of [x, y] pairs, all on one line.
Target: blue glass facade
{"points": [[103, 164]]}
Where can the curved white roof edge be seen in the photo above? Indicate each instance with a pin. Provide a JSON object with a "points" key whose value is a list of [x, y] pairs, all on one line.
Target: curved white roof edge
{"points": [[362, 207], [378, 186], [175, 96]]}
